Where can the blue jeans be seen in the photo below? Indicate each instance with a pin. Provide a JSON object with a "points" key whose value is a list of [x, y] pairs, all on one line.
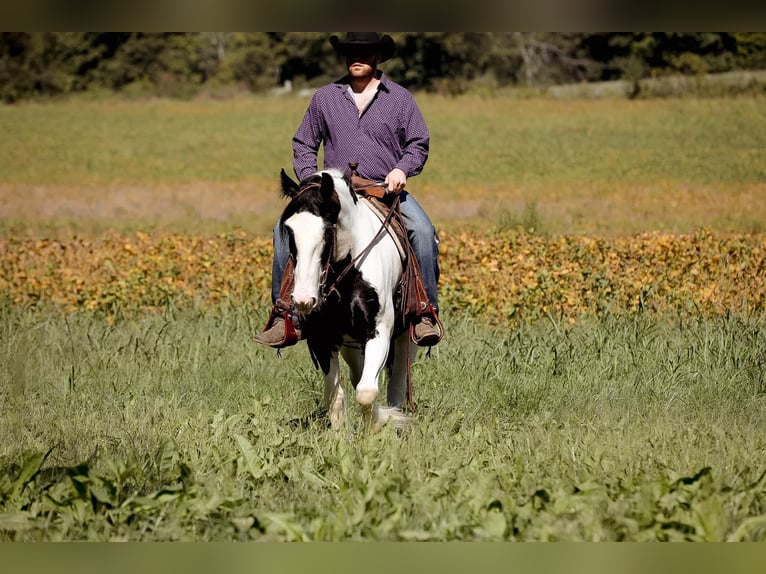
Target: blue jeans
{"points": [[422, 236]]}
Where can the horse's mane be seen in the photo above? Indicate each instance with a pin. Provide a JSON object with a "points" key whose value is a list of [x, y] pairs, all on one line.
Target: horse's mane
{"points": [[318, 194], [336, 173]]}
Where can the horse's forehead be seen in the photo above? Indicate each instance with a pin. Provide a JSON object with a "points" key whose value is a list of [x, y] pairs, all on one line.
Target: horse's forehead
{"points": [[311, 200], [306, 225]]}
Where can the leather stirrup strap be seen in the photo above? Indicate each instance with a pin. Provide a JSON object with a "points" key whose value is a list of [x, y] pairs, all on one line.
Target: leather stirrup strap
{"points": [[415, 302], [410, 401]]}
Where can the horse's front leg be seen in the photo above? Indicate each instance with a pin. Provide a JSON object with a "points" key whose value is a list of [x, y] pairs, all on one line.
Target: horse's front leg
{"points": [[334, 398], [375, 353]]}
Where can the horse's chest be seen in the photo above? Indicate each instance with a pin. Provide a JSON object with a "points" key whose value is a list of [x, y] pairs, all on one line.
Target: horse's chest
{"points": [[351, 308]]}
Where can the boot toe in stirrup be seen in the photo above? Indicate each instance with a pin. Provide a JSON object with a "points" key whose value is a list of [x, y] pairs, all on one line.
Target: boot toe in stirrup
{"points": [[276, 335], [426, 333]]}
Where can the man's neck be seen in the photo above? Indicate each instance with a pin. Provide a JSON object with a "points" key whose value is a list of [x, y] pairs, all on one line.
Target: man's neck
{"points": [[358, 85]]}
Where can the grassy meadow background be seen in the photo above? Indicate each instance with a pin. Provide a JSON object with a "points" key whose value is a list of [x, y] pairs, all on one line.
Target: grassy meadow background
{"points": [[603, 376]]}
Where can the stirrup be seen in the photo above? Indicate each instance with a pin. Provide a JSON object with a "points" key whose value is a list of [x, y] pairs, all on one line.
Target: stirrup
{"points": [[292, 335], [429, 313]]}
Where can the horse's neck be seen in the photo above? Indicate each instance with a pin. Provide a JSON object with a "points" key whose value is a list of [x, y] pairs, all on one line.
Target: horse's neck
{"points": [[357, 227]]}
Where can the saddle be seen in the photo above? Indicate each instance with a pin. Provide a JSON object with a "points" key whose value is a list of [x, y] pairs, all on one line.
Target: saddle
{"points": [[415, 303]]}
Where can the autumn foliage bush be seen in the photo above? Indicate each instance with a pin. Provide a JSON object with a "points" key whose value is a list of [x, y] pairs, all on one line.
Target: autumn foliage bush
{"points": [[504, 275]]}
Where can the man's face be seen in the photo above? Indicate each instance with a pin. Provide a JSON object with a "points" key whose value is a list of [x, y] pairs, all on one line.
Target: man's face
{"points": [[362, 62]]}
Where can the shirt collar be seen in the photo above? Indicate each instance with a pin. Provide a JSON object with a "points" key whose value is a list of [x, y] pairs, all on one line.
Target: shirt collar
{"points": [[343, 82]]}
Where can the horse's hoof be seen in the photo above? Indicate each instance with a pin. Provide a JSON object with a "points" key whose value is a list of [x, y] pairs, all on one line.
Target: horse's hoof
{"points": [[393, 416], [366, 397]]}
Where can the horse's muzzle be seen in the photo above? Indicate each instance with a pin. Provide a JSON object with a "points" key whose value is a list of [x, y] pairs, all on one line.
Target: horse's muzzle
{"points": [[305, 306]]}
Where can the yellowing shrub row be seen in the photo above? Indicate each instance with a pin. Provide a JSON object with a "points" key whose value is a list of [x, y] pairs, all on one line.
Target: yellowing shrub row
{"points": [[519, 275], [503, 276]]}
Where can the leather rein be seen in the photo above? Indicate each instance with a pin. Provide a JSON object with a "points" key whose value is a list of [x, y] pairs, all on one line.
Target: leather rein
{"points": [[326, 287]]}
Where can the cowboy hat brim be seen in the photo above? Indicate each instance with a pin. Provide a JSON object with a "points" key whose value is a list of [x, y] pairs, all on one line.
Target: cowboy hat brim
{"points": [[385, 44]]}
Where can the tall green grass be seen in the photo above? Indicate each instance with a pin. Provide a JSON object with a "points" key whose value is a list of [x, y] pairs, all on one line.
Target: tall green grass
{"points": [[177, 427]]}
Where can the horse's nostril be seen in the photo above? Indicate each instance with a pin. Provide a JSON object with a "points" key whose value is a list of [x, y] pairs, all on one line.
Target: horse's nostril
{"points": [[306, 305]]}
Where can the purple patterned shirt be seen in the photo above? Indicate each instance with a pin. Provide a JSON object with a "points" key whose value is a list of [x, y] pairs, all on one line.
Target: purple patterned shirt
{"points": [[390, 133]]}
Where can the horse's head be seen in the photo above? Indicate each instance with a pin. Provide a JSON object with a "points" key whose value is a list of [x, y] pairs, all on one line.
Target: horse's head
{"points": [[309, 221]]}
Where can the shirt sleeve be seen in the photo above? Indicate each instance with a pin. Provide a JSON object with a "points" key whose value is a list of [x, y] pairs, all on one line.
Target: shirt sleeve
{"points": [[416, 141], [307, 140]]}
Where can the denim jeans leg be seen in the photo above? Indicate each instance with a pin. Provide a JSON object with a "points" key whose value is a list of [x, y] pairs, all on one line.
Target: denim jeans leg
{"points": [[422, 235], [281, 255]]}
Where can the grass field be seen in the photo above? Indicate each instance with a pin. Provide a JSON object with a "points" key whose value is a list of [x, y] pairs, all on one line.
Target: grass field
{"points": [[607, 167], [164, 421], [176, 427]]}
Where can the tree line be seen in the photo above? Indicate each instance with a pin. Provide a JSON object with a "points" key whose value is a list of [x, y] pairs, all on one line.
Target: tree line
{"points": [[35, 64]]}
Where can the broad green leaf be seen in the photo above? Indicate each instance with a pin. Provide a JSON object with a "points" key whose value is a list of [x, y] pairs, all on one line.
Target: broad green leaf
{"points": [[101, 493], [166, 457], [495, 524], [745, 530], [31, 466], [281, 523], [16, 521], [252, 462]]}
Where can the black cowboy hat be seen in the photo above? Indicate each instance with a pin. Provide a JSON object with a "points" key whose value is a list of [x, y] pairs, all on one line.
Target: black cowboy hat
{"points": [[356, 40]]}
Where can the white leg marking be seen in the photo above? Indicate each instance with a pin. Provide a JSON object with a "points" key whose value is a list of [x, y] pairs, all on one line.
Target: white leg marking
{"points": [[375, 352], [382, 416]]}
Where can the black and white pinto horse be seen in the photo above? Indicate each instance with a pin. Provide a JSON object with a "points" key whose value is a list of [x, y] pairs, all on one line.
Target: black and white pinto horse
{"points": [[346, 276]]}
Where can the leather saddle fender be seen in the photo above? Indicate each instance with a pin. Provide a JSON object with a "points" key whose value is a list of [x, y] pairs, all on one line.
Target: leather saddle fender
{"points": [[415, 302]]}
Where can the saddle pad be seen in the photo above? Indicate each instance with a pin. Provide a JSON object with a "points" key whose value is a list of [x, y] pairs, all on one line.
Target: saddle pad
{"points": [[395, 228]]}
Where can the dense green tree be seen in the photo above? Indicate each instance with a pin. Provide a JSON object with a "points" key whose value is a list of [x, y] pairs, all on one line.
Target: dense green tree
{"points": [[168, 64], [750, 49], [180, 64], [46, 63], [306, 57]]}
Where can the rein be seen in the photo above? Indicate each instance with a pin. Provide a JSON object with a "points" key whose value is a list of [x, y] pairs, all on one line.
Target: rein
{"points": [[307, 187], [328, 289]]}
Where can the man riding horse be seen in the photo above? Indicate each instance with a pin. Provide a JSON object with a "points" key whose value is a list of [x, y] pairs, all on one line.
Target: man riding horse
{"points": [[366, 119]]}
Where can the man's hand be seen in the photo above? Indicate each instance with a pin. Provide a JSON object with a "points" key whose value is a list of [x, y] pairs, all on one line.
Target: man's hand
{"points": [[396, 180]]}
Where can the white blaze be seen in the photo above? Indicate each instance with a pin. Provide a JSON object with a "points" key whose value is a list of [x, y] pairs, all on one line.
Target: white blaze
{"points": [[308, 232]]}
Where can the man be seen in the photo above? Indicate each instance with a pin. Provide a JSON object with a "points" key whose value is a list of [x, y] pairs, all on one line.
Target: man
{"points": [[365, 118]]}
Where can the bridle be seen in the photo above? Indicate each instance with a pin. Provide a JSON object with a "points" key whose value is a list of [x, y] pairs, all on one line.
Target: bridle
{"points": [[326, 286]]}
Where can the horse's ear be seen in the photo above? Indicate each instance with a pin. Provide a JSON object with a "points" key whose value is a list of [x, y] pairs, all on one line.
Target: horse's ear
{"points": [[289, 187], [328, 184]]}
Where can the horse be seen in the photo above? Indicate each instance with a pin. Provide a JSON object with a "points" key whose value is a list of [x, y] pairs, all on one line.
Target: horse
{"points": [[346, 273]]}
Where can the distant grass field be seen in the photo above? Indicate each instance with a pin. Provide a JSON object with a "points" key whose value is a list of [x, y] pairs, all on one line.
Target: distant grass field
{"points": [[609, 166], [135, 406]]}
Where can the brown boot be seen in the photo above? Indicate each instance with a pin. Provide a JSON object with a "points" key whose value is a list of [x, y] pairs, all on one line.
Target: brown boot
{"points": [[426, 333], [276, 336]]}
